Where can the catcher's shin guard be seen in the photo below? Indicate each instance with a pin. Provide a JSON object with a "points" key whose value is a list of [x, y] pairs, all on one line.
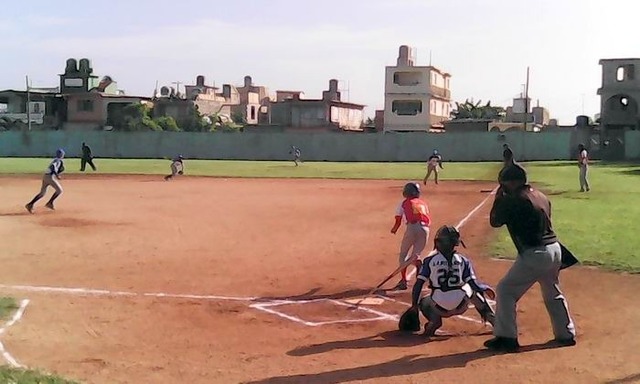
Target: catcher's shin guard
{"points": [[483, 308], [427, 308]]}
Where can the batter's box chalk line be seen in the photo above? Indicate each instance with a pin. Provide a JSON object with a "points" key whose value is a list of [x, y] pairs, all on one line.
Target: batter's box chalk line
{"points": [[16, 317]]}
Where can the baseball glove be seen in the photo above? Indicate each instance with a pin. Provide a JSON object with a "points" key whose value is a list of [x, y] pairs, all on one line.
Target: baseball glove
{"points": [[180, 172], [409, 321]]}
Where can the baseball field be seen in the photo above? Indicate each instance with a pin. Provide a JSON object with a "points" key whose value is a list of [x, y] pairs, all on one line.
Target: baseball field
{"points": [[243, 277]]}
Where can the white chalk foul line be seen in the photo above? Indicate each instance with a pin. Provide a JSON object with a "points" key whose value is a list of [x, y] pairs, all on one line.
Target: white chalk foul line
{"points": [[464, 221], [16, 317]]}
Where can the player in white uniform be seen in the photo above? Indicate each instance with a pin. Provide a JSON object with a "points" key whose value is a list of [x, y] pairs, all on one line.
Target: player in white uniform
{"points": [[452, 282], [51, 178]]}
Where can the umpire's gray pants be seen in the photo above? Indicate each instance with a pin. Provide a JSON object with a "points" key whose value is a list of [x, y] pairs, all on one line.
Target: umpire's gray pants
{"points": [[542, 265]]}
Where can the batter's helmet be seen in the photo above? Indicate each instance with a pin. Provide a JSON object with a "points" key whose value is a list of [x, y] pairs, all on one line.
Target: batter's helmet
{"points": [[60, 153], [411, 190]]}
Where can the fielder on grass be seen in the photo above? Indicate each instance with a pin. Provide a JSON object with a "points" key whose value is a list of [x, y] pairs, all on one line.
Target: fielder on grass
{"points": [[177, 168], [416, 213], [51, 179], [295, 151], [435, 161]]}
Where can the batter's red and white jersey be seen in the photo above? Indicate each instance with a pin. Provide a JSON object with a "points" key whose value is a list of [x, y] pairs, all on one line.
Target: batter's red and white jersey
{"points": [[414, 210]]}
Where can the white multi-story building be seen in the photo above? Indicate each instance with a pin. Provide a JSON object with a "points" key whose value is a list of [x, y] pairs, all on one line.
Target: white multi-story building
{"points": [[417, 98]]}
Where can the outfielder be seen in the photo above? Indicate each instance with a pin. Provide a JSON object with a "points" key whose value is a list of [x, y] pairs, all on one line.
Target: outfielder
{"points": [[583, 164], [453, 285], [177, 168], [416, 213], [435, 161], [51, 179], [295, 151]]}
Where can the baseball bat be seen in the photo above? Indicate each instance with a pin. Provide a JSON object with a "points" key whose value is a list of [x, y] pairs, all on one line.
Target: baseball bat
{"points": [[407, 263]]}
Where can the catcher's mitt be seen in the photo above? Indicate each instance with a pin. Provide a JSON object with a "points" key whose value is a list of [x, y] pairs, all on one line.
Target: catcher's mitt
{"points": [[409, 321]]}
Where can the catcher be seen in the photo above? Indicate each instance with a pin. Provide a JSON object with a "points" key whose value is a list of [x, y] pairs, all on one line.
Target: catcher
{"points": [[177, 167], [453, 287]]}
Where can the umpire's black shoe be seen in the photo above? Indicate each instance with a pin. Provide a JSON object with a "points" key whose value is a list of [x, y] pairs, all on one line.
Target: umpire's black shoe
{"points": [[570, 342], [503, 344]]}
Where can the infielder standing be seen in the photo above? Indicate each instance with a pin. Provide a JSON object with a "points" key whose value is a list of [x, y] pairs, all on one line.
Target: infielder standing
{"points": [[453, 284], [177, 168], [416, 213], [51, 179], [527, 214], [583, 163], [435, 161]]}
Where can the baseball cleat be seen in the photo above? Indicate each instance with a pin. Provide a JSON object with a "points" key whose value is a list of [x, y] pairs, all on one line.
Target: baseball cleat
{"points": [[401, 286], [29, 208], [50, 206], [503, 344]]}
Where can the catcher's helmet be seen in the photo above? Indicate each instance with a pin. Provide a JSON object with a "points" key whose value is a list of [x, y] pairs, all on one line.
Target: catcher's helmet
{"points": [[448, 237], [411, 190]]}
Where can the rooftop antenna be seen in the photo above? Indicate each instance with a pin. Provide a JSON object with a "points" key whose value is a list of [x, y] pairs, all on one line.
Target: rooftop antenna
{"points": [[526, 101], [28, 102], [429, 57], [178, 84]]}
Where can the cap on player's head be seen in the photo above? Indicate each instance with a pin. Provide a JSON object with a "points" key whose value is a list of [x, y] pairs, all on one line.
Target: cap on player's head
{"points": [[180, 157], [60, 153], [435, 151], [581, 146], [411, 190], [514, 172]]}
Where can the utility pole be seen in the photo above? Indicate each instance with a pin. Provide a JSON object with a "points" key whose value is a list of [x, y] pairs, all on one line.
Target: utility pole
{"points": [[526, 101], [28, 102]]}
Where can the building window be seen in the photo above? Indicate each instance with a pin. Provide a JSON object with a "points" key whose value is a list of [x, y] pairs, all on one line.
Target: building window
{"points": [[406, 107], [85, 105], [630, 71], [253, 113], [620, 74], [405, 79]]}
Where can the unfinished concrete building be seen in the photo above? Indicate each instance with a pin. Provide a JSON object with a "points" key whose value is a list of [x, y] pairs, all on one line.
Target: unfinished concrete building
{"points": [[619, 98], [417, 98]]}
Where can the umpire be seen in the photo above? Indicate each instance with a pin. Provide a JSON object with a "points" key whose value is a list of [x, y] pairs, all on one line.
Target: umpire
{"points": [[87, 158], [527, 214]]}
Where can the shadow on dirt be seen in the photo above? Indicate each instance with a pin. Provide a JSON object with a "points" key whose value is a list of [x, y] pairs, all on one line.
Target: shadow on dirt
{"points": [[404, 366]]}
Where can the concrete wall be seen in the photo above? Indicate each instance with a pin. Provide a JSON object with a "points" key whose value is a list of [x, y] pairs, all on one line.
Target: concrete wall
{"points": [[632, 145], [472, 146]]}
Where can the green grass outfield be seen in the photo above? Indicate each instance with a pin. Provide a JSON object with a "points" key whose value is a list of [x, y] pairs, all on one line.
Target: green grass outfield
{"points": [[597, 226]]}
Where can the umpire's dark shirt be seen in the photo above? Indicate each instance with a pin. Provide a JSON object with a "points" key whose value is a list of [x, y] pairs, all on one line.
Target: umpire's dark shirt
{"points": [[86, 152], [527, 215]]}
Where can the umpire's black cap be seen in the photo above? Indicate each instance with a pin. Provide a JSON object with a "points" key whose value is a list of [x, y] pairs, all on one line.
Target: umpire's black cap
{"points": [[513, 172]]}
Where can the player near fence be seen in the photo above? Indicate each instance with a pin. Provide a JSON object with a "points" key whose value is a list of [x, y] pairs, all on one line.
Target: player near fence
{"points": [[177, 167], [434, 161], [51, 178], [87, 158], [416, 213], [583, 164], [297, 154], [453, 284]]}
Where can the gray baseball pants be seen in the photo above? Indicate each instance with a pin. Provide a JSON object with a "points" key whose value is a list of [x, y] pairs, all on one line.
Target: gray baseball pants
{"points": [[584, 182], [414, 239], [541, 265], [48, 181]]}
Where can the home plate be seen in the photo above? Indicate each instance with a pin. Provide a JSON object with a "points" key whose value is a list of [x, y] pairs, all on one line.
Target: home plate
{"points": [[365, 301]]}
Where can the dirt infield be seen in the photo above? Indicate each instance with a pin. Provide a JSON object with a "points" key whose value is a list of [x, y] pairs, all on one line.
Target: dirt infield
{"points": [[204, 280]]}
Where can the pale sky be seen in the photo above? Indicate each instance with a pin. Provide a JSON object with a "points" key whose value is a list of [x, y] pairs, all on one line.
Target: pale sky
{"points": [[300, 44]]}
